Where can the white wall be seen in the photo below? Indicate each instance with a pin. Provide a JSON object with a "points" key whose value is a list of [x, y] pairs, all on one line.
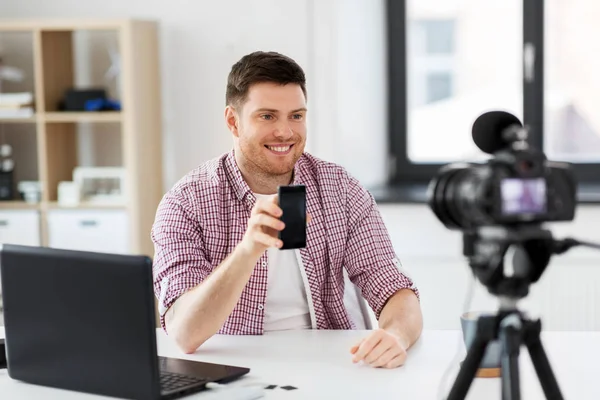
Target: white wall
{"points": [[566, 296], [200, 40], [340, 43]]}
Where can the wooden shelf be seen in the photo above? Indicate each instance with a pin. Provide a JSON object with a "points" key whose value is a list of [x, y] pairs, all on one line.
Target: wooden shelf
{"points": [[86, 206], [18, 205], [96, 116], [57, 138], [28, 120]]}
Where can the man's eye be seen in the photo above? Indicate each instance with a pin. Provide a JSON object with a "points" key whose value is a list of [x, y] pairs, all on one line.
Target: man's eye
{"points": [[297, 116], [267, 117]]}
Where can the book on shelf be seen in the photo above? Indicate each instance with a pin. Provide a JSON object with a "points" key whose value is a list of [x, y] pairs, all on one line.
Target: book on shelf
{"points": [[18, 99], [16, 105], [10, 113]]}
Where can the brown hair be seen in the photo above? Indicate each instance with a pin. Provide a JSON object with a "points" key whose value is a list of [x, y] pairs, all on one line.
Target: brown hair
{"points": [[258, 67]]}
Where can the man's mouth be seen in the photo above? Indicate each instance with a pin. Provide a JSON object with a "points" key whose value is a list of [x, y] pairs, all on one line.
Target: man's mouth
{"points": [[281, 149]]}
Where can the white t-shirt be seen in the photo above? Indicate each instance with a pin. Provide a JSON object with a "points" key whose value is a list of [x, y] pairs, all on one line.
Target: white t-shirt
{"points": [[287, 304]]}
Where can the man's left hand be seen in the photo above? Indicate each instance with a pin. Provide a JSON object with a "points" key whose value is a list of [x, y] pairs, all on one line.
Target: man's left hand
{"points": [[381, 349]]}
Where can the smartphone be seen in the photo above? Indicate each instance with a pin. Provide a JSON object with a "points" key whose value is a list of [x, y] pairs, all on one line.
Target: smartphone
{"points": [[292, 201]]}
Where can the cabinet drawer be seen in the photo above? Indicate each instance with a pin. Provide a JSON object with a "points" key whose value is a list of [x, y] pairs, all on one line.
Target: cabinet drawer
{"points": [[104, 231], [20, 227]]}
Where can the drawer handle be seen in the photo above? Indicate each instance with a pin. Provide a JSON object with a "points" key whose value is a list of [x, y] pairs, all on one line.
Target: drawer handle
{"points": [[3, 222], [88, 223]]}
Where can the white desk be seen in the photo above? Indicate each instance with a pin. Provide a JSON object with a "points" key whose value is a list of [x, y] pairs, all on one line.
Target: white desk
{"points": [[319, 365]]}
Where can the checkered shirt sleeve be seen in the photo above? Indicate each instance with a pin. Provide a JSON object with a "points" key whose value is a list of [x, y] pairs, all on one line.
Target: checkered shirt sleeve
{"points": [[370, 259], [180, 259]]}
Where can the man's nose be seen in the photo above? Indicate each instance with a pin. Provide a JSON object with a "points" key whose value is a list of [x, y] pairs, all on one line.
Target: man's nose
{"points": [[283, 130]]}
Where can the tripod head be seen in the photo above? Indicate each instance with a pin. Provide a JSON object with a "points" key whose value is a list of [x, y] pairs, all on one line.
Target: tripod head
{"points": [[486, 249], [533, 246]]}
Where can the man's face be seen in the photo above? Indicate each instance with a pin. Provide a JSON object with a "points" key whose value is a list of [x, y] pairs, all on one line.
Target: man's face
{"points": [[271, 127]]}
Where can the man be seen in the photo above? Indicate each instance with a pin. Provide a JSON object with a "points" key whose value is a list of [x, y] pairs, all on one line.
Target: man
{"points": [[217, 266]]}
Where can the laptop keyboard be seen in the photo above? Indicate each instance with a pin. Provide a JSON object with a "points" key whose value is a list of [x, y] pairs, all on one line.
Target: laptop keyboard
{"points": [[172, 381]]}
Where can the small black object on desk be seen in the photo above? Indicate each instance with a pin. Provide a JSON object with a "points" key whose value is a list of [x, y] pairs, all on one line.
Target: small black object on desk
{"points": [[2, 354]]}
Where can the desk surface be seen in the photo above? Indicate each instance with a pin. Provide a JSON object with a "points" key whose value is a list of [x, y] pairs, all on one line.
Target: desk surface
{"points": [[319, 365]]}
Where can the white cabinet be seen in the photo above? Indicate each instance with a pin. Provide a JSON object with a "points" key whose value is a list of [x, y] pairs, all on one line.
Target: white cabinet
{"points": [[20, 227], [104, 231]]}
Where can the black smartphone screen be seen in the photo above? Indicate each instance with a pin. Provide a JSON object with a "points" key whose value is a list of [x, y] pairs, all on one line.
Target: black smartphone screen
{"points": [[292, 201]]}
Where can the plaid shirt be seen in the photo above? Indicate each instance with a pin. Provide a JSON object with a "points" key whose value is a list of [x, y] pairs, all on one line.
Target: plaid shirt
{"points": [[204, 216]]}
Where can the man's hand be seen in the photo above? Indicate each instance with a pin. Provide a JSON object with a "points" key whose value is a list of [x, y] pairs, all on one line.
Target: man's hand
{"points": [[263, 227], [380, 349]]}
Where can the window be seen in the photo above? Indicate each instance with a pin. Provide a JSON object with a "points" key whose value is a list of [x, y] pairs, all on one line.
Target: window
{"points": [[439, 35], [430, 73], [572, 90], [452, 60], [439, 86]]}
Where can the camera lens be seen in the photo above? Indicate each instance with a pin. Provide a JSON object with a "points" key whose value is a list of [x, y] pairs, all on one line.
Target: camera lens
{"points": [[458, 196], [526, 166]]}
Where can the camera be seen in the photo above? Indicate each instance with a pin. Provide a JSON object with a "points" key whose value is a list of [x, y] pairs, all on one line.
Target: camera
{"points": [[517, 185], [501, 204]]}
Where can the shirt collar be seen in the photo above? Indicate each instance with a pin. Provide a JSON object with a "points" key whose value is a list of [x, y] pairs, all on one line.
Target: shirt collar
{"points": [[239, 185]]}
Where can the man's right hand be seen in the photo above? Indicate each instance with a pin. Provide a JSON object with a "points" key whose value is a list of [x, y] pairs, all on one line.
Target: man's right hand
{"points": [[263, 227]]}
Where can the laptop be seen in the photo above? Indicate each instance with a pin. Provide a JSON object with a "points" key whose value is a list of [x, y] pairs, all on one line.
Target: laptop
{"points": [[86, 322]]}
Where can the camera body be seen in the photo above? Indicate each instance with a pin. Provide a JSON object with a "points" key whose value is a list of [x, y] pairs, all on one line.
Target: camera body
{"points": [[518, 185]]}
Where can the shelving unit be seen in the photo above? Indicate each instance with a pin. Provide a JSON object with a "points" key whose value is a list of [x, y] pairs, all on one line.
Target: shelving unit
{"points": [[18, 205], [18, 120], [106, 116], [58, 133]]}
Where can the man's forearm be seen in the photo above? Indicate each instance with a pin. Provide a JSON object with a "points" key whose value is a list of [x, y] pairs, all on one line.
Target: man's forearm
{"points": [[402, 317], [199, 313]]}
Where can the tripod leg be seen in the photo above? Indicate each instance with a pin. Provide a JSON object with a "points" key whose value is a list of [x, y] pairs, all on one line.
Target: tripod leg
{"points": [[485, 333], [540, 361], [510, 340]]}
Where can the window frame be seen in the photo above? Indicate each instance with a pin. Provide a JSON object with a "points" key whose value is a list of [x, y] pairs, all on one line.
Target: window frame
{"points": [[402, 170]]}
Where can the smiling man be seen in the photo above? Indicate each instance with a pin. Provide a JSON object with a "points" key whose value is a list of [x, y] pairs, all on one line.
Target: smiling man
{"points": [[218, 267]]}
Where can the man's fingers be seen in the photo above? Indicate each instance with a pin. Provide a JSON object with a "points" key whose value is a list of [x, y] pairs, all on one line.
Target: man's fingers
{"points": [[266, 240], [308, 218], [263, 220], [382, 347], [366, 346], [397, 361], [269, 207], [380, 350], [270, 231], [385, 357], [354, 348]]}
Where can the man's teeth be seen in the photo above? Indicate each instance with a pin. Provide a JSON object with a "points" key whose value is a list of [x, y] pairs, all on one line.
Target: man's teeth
{"points": [[279, 148]]}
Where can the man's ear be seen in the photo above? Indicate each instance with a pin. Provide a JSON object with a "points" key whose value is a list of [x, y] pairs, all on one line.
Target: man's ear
{"points": [[232, 120]]}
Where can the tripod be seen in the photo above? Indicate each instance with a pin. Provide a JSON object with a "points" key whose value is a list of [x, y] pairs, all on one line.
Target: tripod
{"points": [[513, 329], [486, 249]]}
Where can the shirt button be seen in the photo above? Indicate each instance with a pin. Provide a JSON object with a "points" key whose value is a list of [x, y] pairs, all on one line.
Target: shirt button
{"points": [[261, 307], [264, 264]]}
